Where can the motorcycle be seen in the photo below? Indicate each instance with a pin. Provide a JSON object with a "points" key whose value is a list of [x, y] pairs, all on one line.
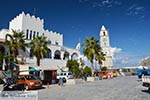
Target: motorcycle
{"points": [[10, 85]]}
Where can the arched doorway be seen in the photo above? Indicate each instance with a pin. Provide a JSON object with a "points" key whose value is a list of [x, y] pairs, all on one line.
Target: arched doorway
{"points": [[49, 54], [66, 56], [57, 54], [74, 56]]}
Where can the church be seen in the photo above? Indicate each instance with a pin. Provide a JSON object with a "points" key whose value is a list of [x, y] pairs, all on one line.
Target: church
{"points": [[105, 45]]}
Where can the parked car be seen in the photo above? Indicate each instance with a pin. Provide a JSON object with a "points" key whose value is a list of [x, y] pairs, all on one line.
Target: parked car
{"points": [[103, 74], [29, 81], [65, 76]]}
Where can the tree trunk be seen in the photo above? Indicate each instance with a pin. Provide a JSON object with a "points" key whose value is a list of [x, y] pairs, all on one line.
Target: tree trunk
{"points": [[38, 62], [100, 66], [92, 67]]}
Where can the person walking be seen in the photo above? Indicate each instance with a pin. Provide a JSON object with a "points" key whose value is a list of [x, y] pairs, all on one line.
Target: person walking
{"points": [[144, 72]]}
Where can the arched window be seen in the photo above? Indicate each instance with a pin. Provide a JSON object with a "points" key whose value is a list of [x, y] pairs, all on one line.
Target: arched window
{"points": [[37, 33], [27, 33], [57, 54], [56, 43], [66, 56], [31, 55], [104, 33], [49, 41], [105, 53], [34, 34], [30, 34], [74, 56], [104, 44], [49, 54]]}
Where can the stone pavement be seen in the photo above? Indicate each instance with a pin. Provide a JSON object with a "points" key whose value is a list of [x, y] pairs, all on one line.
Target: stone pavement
{"points": [[119, 88]]}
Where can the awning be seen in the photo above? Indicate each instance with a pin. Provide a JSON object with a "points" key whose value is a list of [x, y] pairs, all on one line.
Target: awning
{"points": [[49, 68], [33, 69]]}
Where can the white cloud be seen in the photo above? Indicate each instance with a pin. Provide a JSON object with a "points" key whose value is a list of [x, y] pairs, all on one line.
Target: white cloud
{"points": [[106, 3], [124, 59], [86, 61], [124, 62], [135, 9], [114, 51], [102, 3]]}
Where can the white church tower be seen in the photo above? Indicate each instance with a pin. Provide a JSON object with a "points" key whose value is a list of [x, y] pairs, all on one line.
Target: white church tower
{"points": [[105, 45]]}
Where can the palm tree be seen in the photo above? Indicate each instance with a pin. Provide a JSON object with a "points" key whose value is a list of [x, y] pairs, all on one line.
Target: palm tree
{"points": [[15, 42], [100, 56], [91, 49], [39, 48]]}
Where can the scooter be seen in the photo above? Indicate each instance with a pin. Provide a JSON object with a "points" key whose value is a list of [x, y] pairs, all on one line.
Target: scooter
{"points": [[10, 85]]}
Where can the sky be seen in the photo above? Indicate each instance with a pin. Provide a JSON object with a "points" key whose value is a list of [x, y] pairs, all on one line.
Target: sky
{"points": [[127, 21]]}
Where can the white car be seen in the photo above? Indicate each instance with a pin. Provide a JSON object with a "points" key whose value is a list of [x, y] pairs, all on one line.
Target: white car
{"points": [[64, 75]]}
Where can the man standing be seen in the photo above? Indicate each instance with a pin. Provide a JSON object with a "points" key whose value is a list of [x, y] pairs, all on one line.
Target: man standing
{"points": [[144, 72]]}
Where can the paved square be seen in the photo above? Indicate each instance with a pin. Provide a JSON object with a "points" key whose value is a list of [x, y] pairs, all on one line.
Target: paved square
{"points": [[119, 88]]}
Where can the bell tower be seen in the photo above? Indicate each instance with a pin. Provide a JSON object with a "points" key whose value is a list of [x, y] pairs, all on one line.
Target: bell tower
{"points": [[106, 48]]}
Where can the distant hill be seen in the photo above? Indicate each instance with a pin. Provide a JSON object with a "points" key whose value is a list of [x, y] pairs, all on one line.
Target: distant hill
{"points": [[145, 62]]}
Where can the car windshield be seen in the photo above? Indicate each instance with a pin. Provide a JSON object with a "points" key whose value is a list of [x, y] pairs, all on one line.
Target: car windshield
{"points": [[31, 77], [58, 74], [69, 73]]}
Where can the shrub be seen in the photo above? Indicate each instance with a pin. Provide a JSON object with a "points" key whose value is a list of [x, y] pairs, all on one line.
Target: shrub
{"points": [[87, 71], [104, 68]]}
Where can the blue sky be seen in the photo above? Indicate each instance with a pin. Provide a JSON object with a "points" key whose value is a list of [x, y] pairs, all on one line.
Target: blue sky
{"points": [[126, 20]]}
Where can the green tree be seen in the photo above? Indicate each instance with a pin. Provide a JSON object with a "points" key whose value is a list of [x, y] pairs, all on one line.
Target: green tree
{"points": [[73, 66], [9, 59], [15, 42], [39, 48], [87, 71], [82, 65], [100, 56], [104, 68], [92, 50]]}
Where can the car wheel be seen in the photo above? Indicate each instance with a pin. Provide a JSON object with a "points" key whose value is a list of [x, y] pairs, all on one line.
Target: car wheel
{"points": [[64, 80]]}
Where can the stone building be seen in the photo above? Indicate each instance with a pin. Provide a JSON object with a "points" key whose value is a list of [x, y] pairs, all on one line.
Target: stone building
{"points": [[105, 45], [32, 26]]}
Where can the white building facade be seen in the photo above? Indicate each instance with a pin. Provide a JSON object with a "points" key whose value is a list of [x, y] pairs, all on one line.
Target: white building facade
{"points": [[105, 45], [34, 26]]}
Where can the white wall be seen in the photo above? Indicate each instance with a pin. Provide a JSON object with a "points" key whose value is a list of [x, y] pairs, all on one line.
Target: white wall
{"points": [[24, 22], [54, 37]]}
